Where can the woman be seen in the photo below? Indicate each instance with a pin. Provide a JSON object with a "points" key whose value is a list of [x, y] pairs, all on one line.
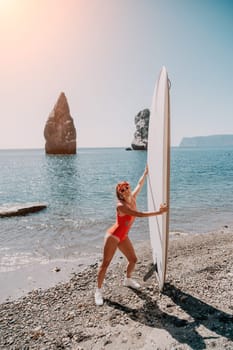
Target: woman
{"points": [[117, 235]]}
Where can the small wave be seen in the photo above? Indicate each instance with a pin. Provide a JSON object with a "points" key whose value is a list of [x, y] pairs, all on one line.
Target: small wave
{"points": [[2, 249], [16, 261], [176, 234]]}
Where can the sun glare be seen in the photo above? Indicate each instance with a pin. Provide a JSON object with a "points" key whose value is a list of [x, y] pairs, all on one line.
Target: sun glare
{"points": [[9, 9], [7, 5]]}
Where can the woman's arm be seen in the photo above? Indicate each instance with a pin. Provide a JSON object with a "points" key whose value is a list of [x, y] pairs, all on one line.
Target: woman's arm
{"points": [[125, 210], [140, 183]]}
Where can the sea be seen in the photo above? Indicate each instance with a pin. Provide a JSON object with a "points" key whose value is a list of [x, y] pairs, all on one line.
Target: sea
{"points": [[79, 191]]}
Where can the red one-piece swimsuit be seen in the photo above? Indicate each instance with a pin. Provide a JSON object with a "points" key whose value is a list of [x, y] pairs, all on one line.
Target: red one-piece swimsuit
{"points": [[121, 227]]}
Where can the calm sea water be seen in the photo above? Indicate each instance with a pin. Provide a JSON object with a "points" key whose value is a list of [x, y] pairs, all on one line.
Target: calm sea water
{"points": [[80, 193]]}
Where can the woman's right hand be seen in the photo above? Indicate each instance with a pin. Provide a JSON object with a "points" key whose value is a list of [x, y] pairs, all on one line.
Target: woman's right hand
{"points": [[163, 208]]}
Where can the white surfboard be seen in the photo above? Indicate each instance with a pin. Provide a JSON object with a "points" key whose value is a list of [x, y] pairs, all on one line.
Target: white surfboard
{"points": [[158, 184]]}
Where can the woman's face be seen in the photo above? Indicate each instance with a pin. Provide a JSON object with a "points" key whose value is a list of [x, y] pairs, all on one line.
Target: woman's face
{"points": [[124, 189]]}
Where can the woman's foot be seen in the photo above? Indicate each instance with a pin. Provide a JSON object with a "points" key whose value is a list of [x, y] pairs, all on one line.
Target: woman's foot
{"points": [[129, 282], [99, 297]]}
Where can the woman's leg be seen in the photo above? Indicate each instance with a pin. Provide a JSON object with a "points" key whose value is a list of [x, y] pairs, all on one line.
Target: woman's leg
{"points": [[127, 249], [110, 247]]}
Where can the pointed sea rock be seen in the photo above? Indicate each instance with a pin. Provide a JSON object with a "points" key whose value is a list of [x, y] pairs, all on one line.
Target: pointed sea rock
{"points": [[141, 134], [59, 131]]}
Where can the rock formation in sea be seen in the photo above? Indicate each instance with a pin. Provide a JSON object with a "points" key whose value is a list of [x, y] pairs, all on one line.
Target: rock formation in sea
{"points": [[59, 131], [21, 209], [140, 139]]}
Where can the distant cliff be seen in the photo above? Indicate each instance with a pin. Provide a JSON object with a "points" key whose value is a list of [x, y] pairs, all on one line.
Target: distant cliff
{"points": [[207, 141]]}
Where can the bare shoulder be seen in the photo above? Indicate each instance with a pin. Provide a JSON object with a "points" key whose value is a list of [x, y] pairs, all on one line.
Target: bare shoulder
{"points": [[120, 205], [121, 208]]}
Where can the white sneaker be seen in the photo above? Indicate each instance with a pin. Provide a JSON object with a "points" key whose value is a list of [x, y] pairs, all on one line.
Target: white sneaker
{"points": [[99, 297], [129, 282]]}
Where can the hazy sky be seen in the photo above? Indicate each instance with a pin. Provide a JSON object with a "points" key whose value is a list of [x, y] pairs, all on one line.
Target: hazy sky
{"points": [[106, 56]]}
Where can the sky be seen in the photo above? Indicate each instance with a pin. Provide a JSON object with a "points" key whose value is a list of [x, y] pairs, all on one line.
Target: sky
{"points": [[106, 55]]}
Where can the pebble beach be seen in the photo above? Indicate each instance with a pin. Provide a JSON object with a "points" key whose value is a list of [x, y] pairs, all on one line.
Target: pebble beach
{"points": [[195, 310]]}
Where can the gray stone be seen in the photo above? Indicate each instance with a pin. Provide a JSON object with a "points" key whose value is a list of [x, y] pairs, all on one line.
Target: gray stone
{"points": [[21, 209], [141, 134], [59, 131]]}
